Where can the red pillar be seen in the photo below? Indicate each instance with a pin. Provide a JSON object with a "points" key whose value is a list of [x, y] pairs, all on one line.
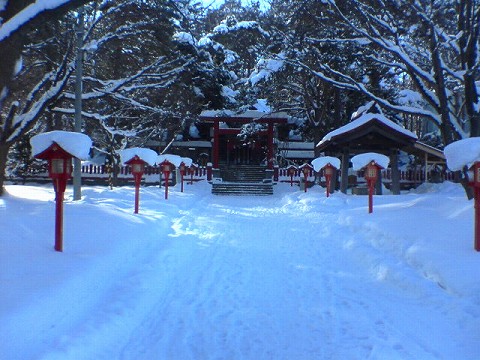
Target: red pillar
{"points": [[137, 193], [167, 177], [58, 220], [216, 145], [371, 187], [477, 219], [327, 183], [270, 146]]}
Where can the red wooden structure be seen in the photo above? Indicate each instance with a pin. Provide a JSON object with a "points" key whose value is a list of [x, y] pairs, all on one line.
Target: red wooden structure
{"points": [[225, 139], [371, 175], [59, 170], [138, 168]]}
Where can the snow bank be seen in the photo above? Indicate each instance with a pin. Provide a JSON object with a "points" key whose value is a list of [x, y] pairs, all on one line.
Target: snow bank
{"points": [[321, 162], [147, 155], [361, 160], [462, 153], [77, 144], [292, 276]]}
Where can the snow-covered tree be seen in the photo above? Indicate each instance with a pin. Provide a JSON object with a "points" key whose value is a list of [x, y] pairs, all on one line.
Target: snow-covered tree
{"points": [[18, 19], [430, 48], [284, 76], [134, 74]]}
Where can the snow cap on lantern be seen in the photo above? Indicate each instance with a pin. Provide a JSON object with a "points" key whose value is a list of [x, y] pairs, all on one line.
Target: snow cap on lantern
{"points": [[320, 162], [173, 159], [147, 155], [76, 144], [361, 160]]}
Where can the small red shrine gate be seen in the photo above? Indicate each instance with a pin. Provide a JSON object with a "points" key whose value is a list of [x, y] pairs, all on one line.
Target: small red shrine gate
{"points": [[225, 141]]}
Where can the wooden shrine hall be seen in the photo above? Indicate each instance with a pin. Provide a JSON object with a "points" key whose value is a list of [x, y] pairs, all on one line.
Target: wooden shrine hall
{"points": [[228, 148], [376, 133]]}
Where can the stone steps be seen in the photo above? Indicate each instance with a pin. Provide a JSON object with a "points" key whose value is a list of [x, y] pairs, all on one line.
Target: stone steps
{"points": [[243, 173], [244, 188], [243, 180]]}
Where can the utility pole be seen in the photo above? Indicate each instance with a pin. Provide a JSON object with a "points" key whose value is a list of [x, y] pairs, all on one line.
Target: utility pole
{"points": [[77, 164]]}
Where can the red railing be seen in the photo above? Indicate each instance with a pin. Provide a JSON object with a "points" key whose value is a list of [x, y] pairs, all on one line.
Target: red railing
{"points": [[412, 176]]}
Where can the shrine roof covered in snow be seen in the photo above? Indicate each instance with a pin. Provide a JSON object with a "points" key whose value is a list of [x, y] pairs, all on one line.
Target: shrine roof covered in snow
{"points": [[247, 116], [374, 132]]}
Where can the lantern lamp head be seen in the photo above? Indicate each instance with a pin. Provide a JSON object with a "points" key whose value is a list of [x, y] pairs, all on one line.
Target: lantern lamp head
{"points": [[137, 164], [328, 169], [166, 166], [59, 161], [371, 172]]}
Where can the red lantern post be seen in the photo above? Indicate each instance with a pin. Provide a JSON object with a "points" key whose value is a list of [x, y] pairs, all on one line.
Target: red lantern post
{"points": [[328, 171], [192, 170], [291, 171], [183, 169], [371, 175], [306, 171], [138, 168], [166, 167], [476, 188], [59, 170]]}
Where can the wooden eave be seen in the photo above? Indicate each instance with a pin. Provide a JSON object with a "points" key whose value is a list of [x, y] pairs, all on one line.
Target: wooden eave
{"points": [[420, 148], [371, 136], [243, 120]]}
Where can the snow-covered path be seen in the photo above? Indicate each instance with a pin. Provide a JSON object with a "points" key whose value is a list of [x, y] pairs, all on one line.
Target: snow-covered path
{"points": [[297, 276]]}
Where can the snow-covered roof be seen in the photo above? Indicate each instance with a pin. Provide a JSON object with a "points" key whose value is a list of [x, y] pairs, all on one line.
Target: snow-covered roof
{"points": [[362, 120], [76, 144], [462, 153], [147, 155], [174, 159], [320, 162], [361, 160], [254, 114], [187, 161]]}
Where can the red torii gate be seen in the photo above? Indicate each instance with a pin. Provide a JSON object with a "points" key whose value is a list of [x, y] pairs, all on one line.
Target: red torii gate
{"points": [[216, 117]]}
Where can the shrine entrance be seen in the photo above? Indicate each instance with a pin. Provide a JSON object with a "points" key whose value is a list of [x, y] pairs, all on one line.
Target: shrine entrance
{"points": [[234, 151], [228, 148]]}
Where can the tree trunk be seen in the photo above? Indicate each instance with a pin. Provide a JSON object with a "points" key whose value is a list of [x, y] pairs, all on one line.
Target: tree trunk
{"points": [[446, 128], [3, 165]]}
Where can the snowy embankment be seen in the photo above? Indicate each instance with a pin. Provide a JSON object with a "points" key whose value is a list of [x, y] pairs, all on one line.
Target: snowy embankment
{"points": [[292, 276]]}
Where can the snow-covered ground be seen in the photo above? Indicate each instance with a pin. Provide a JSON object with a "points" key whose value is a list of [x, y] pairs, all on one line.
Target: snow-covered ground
{"points": [[292, 276]]}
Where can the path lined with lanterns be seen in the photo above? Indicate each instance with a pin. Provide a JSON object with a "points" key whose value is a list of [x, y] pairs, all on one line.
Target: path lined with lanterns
{"points": [[202, 280], [285, 276]]}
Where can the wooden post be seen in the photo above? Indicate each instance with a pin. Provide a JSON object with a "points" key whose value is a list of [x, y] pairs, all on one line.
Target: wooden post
{"points": [[344, 170], [477, 219], [275, 173], [137, 195], [270, 146], [395, 187], [58, 218], [216, 145]]}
